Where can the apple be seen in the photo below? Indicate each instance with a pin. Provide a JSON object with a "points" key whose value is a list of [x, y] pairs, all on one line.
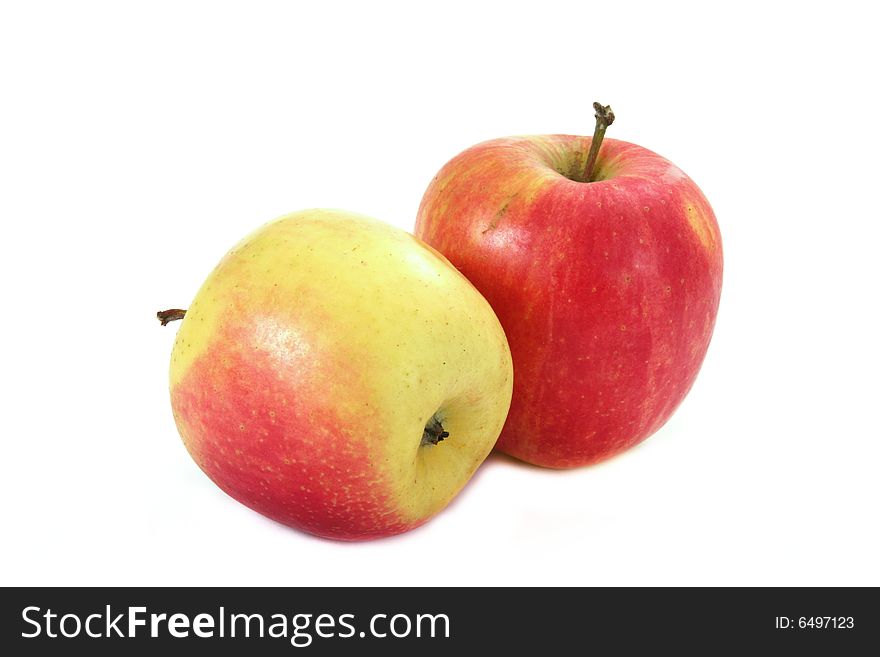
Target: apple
{"points": [[339, 376], [603, 262]]}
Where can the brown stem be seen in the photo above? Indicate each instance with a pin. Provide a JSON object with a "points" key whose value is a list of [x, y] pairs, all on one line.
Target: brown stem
{"points": [[171, 315], [604, 118]]}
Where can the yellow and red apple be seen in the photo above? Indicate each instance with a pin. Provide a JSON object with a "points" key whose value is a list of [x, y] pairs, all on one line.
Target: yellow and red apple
{"points": [[339, 376], [607, 284]]}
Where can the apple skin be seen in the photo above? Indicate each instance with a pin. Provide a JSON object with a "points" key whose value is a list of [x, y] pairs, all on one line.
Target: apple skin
{"points": [[306, 369], [607, 290]]}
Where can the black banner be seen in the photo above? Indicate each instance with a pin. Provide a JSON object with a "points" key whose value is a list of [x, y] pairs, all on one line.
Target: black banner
{"points": [[114, 621]]}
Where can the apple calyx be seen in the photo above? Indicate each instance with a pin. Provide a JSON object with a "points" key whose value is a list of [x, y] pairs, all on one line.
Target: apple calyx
{"points": [[434, 432], [170, 315], [604, 118]]}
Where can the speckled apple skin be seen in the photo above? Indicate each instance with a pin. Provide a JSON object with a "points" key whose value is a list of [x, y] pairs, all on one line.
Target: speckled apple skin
{"points": [[607, 290], [309, 363]]}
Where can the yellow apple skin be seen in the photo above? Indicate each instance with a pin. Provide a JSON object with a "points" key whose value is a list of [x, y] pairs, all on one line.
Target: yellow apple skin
{"points": [[313, 357]]}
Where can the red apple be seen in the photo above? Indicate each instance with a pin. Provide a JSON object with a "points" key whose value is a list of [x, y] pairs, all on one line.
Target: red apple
{"points": [[339, 376], [607, 284]]}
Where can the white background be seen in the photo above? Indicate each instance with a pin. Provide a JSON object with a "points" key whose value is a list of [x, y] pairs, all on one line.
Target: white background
{"points": [[139, 141]]}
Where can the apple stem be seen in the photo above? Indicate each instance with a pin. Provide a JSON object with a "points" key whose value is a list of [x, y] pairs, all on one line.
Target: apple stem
{"points": [[604, 118], [171, 315], [434, 432]]}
